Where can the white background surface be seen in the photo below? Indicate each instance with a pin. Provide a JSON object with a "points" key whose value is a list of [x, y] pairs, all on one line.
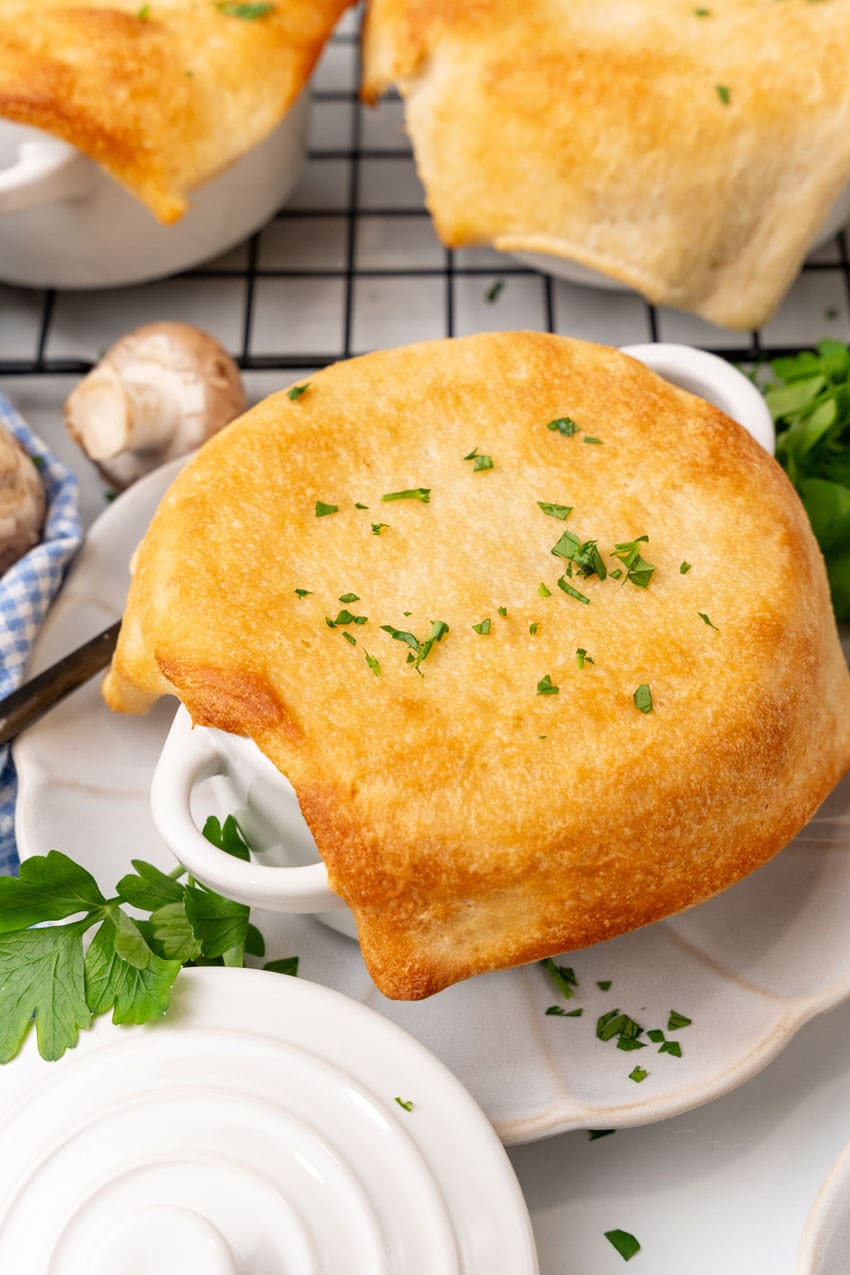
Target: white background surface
{"points": [[725, 1188]]}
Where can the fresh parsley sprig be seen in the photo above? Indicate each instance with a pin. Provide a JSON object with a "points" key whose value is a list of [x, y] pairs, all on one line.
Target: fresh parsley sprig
{"points": [[809, 401], [46, 975]]}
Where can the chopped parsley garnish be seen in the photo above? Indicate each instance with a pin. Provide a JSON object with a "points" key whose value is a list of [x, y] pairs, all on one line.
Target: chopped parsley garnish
{"points": [[378, 527], [345, 617], [483, 627], [555, 511], [405, 1103], [359, 505], [616, 574], [604, 985], [625, 1244], [637, 1074], [723, 93], [543, 591], [702, 13], [419, 650], [594, 1134], [322, 510], [503, 611], [702, 615], [349, 597], [585, 554], [556, 1011], [563, 977], [671, 1047], [480, 462], [638, 570], [493, 292], [643, 698], [573, 593], [684, 568], [349, 638], [545, 687], [656, 1035], [297, 390], [677, 1020], [250, 12], [533, 627], [588, 439], [412, 493], [564, 425], [623, 1028], [144, 13], [373, 663], [303, 593], [583, 658]]}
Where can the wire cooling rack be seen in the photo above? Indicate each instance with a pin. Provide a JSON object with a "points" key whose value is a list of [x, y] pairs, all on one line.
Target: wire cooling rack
{"points": [[352, 264]]}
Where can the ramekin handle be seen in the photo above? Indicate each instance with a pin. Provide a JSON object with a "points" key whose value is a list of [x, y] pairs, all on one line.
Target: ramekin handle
{"points": [[44, 172], [714, 379], [183, 764]]}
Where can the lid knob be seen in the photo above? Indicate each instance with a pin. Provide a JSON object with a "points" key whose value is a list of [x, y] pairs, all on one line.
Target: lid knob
{"points": [[163, 1238]]}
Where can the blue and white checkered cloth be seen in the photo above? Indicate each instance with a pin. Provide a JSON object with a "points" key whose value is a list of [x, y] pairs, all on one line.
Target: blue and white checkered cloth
{"points": [[26, 591]]}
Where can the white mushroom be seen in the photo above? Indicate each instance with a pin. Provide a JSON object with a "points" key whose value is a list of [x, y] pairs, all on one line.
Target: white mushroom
{"points": [[158, 393], [22, 502]]}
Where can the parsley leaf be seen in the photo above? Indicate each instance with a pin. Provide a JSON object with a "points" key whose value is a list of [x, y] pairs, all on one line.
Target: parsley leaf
{"points": [[643, 698], [250, 12], [810, 404], [564, 425], [135, 991], [297, 390], [48, 888], [638, 570], [286, 965], [322, 510], [625, 1244], [562, 976], [42, 976], [412, 493], [545, 687], [483, 627], [555, 511]]}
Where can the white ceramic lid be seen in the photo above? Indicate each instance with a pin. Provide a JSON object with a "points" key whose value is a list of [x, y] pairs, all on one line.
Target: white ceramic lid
{"points": [[253, 1130]]}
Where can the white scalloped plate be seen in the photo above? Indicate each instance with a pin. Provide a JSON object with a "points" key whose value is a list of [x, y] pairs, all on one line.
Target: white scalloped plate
{"points": [[254, 1127], [749, 968]]}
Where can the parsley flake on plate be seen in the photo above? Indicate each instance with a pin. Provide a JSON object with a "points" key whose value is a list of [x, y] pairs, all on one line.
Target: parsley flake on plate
{"points": [[677, 1020], [483, 627], [373, 663], [378, 527], [573, 593], [562, 976], [625, 1244], [702, 615], [545, 687], [322, 510], [638, 1074], [543, 591], [303, 593], [405, 1103]]}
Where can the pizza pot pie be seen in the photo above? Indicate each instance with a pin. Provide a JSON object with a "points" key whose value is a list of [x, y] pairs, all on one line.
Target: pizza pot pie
{"points": [[163, 95], [690, 152], [543, 643]]}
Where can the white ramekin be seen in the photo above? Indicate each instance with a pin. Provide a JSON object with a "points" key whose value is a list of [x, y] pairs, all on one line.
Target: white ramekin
{"points": [[287, 874], [65, 223]]}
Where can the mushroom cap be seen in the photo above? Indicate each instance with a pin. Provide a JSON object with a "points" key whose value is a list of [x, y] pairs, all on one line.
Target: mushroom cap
{"points": [[158, 393], [22, 501]]}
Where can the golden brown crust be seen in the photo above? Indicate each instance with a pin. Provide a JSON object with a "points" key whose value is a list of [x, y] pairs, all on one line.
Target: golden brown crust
{"points": [[599, 133], [470, 822], [164, 95]]}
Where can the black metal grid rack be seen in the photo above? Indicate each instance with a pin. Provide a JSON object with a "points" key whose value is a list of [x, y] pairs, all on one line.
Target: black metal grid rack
{"points": [[352, 263]]}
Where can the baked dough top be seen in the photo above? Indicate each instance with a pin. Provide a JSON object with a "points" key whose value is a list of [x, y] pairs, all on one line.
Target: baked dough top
{"points": [[163, 95], [691, 152], [472, 816]]}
